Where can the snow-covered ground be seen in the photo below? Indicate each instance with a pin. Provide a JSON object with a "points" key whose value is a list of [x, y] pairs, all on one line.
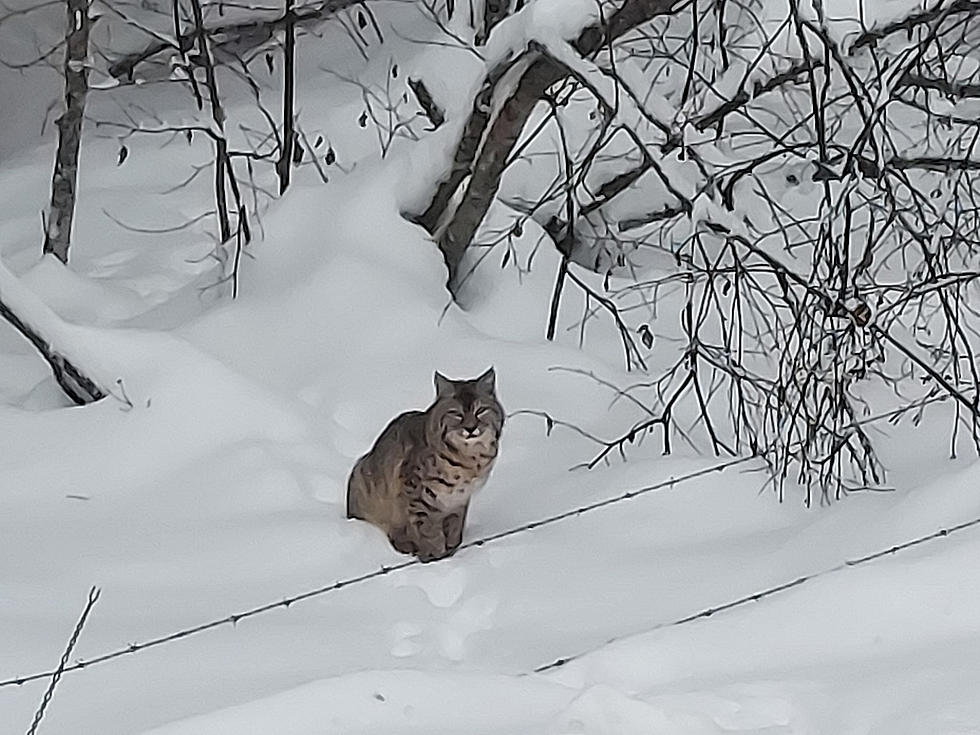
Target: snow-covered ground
{"points": [[212, 481]]}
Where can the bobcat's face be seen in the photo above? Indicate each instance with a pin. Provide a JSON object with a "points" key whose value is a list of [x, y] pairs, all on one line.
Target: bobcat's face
{"points": [[466, 412], [469, 424]]}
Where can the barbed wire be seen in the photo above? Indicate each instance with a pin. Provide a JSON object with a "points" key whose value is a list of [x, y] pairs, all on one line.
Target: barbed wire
{"points": [[708, 612], [233, 619], [286, 602], [93, 597]]}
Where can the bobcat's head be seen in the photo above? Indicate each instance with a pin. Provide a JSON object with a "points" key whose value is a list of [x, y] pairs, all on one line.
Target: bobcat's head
{"points": [[466, 413]]}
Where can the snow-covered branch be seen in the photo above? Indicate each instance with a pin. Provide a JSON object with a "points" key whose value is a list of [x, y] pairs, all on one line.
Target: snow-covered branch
{"points": [[793, 138], [503, 106], [44, 329]]}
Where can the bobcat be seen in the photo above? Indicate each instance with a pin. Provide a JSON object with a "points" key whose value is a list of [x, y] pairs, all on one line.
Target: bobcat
{"points": [[417, 481]]}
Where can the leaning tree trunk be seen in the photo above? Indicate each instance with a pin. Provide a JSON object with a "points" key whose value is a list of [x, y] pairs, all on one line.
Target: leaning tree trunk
{"points": [[73, 381], [288, 143], [487, 140], [26, 313], [57, 235]]}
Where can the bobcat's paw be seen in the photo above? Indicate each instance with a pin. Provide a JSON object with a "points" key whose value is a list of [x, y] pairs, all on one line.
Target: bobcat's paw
{"points": [[427, 555], [402, 544]]}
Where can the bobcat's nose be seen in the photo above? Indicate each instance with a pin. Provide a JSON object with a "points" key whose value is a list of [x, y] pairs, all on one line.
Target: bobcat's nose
{"points": [[472, 433]]}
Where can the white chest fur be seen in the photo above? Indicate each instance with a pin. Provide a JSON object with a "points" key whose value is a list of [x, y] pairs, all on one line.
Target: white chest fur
{"points": [[452, 498]]}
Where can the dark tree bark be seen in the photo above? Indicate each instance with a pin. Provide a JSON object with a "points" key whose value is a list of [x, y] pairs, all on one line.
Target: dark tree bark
{"points": [[494, 11], [224, 173], [221, 166], [285, 162], [207, 62], [466, 150], [430, 109], [485, 145], [488, 167], [57, 236]]}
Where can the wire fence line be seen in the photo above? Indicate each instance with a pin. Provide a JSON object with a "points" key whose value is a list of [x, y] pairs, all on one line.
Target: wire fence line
{"points": [[286, 602], [93, 597], [708, 612]]}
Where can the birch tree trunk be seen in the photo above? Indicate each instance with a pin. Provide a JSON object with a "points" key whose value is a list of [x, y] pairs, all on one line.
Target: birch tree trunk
{"points": [[57, 236]]}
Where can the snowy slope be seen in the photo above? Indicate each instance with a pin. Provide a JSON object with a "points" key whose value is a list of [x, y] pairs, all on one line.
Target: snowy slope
{"points": [[888, 649], [212, 481], [226, 491]]}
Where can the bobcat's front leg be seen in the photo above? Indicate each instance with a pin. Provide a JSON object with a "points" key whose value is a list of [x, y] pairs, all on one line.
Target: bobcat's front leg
{"points": [[452, 526], [425, 528]]}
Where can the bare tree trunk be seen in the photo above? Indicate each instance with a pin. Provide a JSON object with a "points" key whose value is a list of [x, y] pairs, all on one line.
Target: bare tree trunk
{"points": [[489, 165], [285, 162], [57, 235], [224, 173], [221, 165], [466, 151], [204, 52], [484, 149]]}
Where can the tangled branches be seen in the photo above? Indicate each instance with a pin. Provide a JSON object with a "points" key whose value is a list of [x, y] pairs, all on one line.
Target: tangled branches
{"points": [[789, 202]]}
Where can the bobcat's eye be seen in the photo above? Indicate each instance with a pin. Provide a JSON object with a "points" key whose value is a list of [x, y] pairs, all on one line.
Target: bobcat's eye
{"points": [[482, 411], [454, 415]]}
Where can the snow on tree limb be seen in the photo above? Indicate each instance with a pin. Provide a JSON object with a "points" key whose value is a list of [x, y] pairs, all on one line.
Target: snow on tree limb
{"points": [[494, 126], [44, 329], [909, 16], [804, 144]]}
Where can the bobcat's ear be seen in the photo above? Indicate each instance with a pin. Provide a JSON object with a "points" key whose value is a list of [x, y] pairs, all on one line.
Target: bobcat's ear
{"points": [[444, 386], [486, 381]]}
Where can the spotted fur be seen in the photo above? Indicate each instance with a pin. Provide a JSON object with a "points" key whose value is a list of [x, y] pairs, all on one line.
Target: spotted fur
{"points": [[417, 481]]}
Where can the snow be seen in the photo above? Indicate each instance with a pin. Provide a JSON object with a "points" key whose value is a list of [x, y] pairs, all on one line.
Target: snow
{"points": [[212, 480], [385, 702], [889, 653], [557, 19], [845, 20]]}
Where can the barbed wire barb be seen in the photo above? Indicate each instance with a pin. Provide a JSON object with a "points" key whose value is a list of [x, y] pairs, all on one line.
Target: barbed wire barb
{"points": [[384, 570], [756, 596]]}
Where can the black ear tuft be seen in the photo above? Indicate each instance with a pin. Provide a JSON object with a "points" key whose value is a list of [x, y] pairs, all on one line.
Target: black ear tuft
{"points": [[444, 386]]}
